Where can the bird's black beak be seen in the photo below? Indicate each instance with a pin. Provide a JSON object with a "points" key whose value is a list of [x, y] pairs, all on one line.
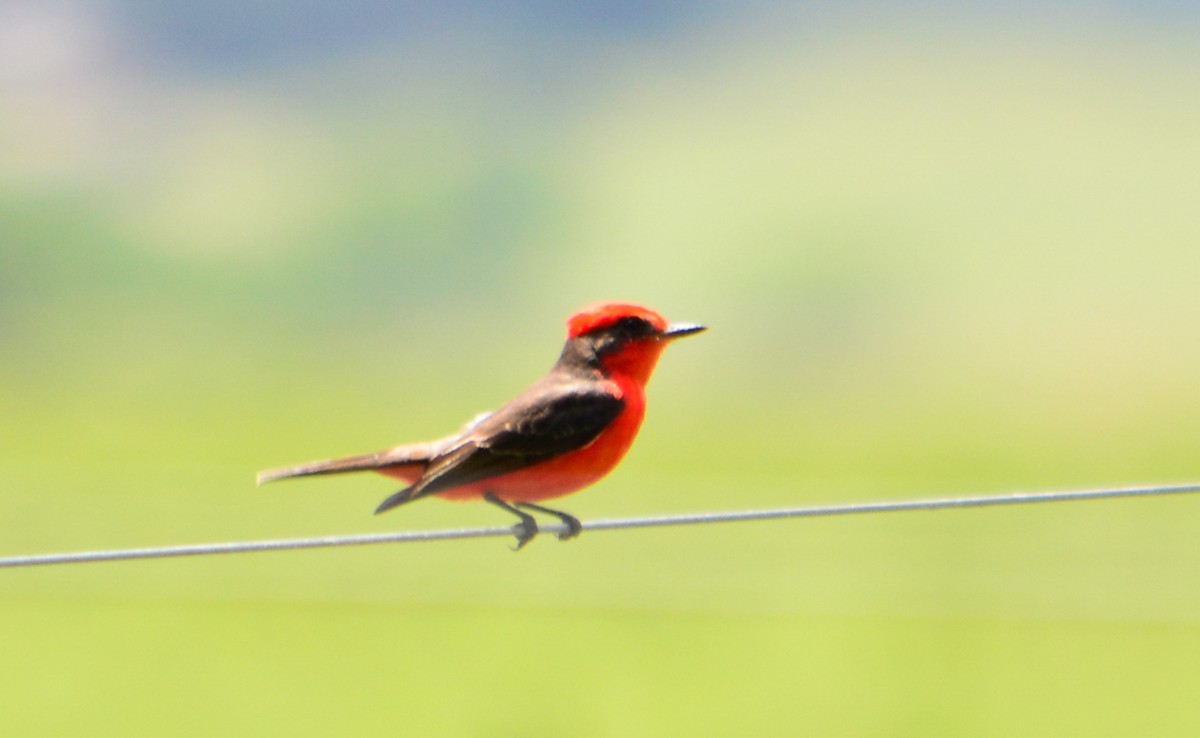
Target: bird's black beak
{"points": [[679, 330]]}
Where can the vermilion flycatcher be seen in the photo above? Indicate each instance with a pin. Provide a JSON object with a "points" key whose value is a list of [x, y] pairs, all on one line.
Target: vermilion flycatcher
{"points": [[565, 432]]}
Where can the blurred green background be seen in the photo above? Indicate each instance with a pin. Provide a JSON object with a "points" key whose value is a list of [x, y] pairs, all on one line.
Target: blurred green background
{"points": [[941, 249]]}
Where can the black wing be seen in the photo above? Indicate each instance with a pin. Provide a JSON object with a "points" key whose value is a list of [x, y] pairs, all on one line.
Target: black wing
{"points": [[549, 419]]}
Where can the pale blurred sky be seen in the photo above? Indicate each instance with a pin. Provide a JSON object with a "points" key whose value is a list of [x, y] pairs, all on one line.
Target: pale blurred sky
{"points": [[44, 38], [394, 139]]}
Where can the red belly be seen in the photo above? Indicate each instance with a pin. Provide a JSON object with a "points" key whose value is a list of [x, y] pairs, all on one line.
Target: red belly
{"points": [[559, 476]]}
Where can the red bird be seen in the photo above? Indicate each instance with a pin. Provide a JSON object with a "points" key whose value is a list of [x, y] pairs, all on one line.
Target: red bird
{"points": [[563, 433]]}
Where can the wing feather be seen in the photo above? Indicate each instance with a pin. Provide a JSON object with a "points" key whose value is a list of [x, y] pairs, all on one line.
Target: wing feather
{"points": [[549, 419]]}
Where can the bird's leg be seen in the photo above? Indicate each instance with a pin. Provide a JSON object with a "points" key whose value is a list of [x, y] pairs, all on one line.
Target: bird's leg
{"points": [[574, 527], [524, 530]]}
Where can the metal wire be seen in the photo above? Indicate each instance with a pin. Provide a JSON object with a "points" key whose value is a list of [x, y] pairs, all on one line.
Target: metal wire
{"points": [[205, 549]]}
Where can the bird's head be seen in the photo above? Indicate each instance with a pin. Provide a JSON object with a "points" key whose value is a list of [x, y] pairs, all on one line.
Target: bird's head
{"points": [[622, 337]]}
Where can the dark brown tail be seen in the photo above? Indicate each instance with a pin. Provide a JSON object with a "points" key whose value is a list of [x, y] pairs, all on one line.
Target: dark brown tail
{"points": [[401, 497], [417, 453], [413, 453], [331, 466]]}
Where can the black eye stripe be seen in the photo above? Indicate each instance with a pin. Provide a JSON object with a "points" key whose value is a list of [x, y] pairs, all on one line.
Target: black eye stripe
{"points": [[612, 336], [627, 327], [634, 326]]}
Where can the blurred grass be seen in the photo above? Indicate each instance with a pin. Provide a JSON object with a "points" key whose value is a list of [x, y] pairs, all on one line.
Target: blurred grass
{"points": [[932, 265], [220, 667]]}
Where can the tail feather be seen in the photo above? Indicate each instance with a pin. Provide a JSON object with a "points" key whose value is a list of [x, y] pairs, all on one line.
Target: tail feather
{"points": [[417, 453], [330, 466], [401, 497]]}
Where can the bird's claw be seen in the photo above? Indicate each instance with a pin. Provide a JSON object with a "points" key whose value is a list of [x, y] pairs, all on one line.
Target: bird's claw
{"points": [[574, 527], [525, 531], [528, 527]]}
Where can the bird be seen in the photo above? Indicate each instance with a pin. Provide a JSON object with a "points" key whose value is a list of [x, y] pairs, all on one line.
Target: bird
{"points": [[563, 433]]}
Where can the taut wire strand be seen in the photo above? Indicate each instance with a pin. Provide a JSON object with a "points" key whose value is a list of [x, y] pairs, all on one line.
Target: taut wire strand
{"points": [[205, 549]]}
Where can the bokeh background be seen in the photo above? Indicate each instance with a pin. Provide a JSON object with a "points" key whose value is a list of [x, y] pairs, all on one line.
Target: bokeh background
{"points": [[942, 248]]}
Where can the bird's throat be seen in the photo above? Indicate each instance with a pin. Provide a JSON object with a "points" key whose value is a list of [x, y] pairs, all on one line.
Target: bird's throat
{"points": [[634, 362]]}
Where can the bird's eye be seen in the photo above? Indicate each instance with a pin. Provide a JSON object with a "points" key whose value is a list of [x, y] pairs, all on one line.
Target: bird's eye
{"points": [[633, 325]]}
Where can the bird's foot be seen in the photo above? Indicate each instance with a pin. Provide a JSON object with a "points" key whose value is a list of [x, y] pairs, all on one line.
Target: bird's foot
{"points": [[525, 531], [573, 526]]}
